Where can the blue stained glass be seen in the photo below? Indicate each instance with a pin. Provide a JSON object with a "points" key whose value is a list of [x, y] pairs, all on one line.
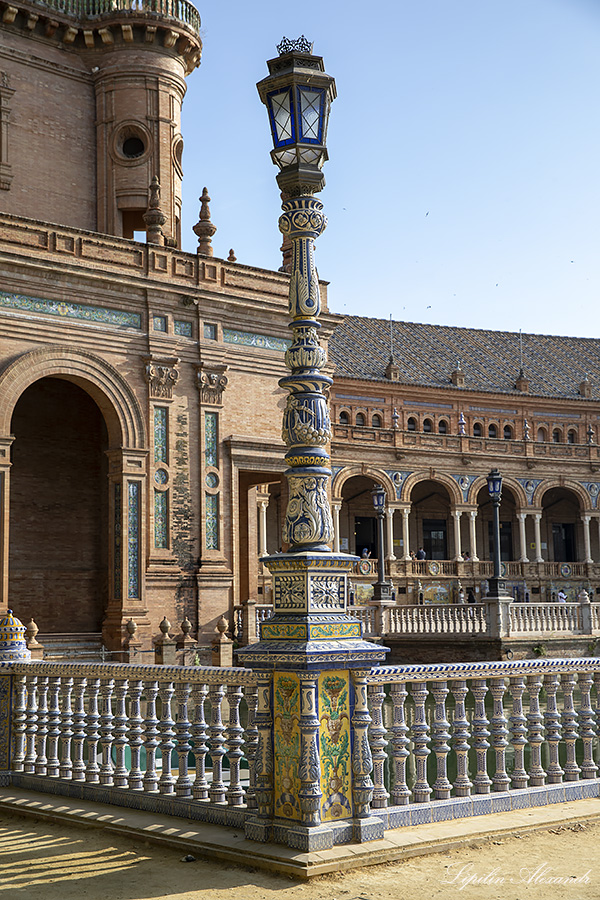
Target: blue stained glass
{"points": [[118, 540], [210, 438], [184, 329], [133, 538], [212, 521], [161, 512], [160, 434]]}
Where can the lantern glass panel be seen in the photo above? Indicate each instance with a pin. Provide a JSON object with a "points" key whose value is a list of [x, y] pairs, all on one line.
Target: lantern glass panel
{"points": [[378, 495], [311, 103], [286, 157], [282, 117]]}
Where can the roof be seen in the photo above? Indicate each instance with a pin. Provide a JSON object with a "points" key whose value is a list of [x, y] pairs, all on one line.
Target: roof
{"points": [[490, 360]]}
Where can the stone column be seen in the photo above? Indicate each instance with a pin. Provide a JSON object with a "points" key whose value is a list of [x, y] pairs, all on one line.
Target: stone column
{"points": [[335, 509], [262, 502], [473, 534], [537, 519], [456, 514], [405, 533], [586, 539], [522, 536], [4, 518], [389, 513]]}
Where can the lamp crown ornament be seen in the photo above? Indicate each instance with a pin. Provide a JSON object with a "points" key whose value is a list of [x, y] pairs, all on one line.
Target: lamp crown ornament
{"points": [[301, 44]]}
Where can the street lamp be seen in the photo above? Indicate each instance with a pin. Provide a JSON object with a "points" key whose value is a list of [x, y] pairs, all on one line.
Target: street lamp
{"points": [[381, 589], [497, 585]]}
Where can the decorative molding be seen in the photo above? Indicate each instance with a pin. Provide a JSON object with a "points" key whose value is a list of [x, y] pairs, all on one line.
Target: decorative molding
{"points": [[69, 310], [211, 385], [250, 339], [162, 376]]}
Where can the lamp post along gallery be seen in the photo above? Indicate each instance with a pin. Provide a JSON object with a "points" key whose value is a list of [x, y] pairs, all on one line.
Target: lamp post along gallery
{"points": [[313, 769]]}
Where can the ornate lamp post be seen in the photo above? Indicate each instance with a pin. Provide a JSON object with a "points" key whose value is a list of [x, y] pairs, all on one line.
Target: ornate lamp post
{"points": [[381, 589], [497, 585], [309, 646]]}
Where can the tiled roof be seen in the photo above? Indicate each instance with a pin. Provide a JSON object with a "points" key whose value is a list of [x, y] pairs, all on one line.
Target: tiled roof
{"points": [[490, 360]]}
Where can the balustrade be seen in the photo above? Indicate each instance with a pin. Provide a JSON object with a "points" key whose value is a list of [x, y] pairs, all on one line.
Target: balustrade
{"points": [[92, 9]]}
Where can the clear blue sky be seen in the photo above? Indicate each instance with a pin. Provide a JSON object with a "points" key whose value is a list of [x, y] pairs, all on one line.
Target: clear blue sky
{"points": [[463, 181]]}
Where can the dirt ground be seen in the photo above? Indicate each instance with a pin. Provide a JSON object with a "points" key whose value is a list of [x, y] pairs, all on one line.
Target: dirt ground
{"points": [[43, 861]]}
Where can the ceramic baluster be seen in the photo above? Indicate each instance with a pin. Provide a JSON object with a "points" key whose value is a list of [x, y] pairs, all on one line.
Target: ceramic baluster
{"points": [[251, 745], [41, 759], [518, 729], [31, 725], [53, 764], [135, 736], [440, 734], [19, 723], [217, 742], [78, 771], [499, 735], [66, 729], [107, 735], [151, 742], [537, 775], [400, 743], [121, 723], [482, 781], [166, 782], [569, 724], [200, 747], [92, 720], [235, 741], [362, 761], [460, 739], [183, 785], [377, 732], [421, 739], [587, 731], [553, 729]]}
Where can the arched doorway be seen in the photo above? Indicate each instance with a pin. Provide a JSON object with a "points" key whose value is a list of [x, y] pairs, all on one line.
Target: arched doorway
{"points": [[509, 534], [358, 521], [58, 543], [431, 507], [561, 514]]}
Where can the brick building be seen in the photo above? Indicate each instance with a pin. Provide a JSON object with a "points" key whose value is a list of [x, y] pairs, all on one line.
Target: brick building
{"points": [[140, 451]]}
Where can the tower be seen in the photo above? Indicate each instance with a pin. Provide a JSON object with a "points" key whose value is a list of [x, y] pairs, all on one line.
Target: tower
{"points": [[106, 85]]}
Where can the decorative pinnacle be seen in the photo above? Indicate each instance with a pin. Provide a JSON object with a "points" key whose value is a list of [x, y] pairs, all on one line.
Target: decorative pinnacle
{"points": [[154, 217], [205, 229], [301, 44]]}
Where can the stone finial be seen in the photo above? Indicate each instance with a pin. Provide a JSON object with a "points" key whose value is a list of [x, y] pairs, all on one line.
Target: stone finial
{"points": [[164, 645], [457, 376], [165, 627], [204, 228], [392, 371], [222, 646], [154, 216], [526, 430], [222, 625], [395, 418], [583, 596], [232, 257], [35, 648], [131, 628], [462, 424], [590, 435], [585, 388], [186, 627], [522, 382]]}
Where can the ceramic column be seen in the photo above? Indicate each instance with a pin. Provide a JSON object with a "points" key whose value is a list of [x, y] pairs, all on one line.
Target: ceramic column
{"points": [[262, 503], [586, 539]]}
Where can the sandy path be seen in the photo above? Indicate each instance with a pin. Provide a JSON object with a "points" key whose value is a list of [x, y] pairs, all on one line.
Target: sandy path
{"points": [[43, 861]]}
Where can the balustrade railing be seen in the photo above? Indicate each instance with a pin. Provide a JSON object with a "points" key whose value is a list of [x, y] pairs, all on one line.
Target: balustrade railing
{"points": [[438, 619], [183, 732], [181, 10], [545, 617], [467, 733]]}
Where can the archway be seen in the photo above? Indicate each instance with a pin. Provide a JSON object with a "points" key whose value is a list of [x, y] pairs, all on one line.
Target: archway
{"points": [[430, 515], [561, 517], [58, 543], [509, 532]]}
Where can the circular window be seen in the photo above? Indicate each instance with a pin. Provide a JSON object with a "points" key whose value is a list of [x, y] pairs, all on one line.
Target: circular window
{"points": [[133, 147]]}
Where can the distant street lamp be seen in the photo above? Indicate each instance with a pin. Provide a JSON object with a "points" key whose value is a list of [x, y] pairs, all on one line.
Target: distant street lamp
{"points": [[382, 589], [497, 585]]}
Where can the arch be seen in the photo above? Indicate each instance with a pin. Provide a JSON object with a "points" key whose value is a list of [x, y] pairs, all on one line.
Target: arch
{"points": [[542, 435], [344, 417], [492, 430], [360, 419], [348, 472], [107, 387], [566, 485], [557, 435], [508, 433], [442, 426], [427, 425], [425, 475], [572, 436], [477, 429], [376, 421], [510, 483], [411, 425]]}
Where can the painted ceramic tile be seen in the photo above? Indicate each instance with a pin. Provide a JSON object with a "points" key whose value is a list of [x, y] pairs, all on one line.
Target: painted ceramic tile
{"points": [[334, 716], [286, 716]]}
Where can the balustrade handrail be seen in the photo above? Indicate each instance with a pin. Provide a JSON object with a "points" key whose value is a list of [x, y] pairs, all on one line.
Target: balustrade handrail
{"points": [[193, 674], [497, 669]]}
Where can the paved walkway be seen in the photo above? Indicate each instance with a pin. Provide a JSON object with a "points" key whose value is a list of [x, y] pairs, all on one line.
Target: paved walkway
{"points": [[230, 846]]}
